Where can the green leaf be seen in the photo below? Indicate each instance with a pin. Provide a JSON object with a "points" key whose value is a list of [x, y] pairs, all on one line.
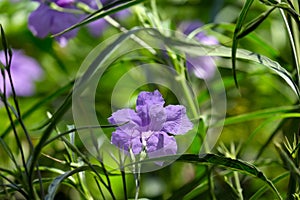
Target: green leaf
{"points": [[266, 113], [221, 161], [238, 27], [5, 46], [251, 26], [9, 153], [263, 189], [57, 181], [287, 160]]}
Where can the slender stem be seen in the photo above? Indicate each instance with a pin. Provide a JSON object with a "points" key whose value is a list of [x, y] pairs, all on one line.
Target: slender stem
{"points": [[19, 117], [238, 185], [210, 183], [133, 37], [136, 170], [296, 35], [14, 186], [187, 93], [124, 183], [75, 149], [19, 144], [40, 180], [137, 176], [99, 187], [107, 179], [293, 44]]}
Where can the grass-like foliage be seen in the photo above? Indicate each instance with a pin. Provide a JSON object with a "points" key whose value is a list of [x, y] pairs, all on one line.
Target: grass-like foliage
{"points": [[137, 99]]}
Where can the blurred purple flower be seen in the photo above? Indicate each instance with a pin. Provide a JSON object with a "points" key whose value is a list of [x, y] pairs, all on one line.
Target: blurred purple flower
{"points": [[203, 67], [24, 71], [151, 127], [45, 20]]}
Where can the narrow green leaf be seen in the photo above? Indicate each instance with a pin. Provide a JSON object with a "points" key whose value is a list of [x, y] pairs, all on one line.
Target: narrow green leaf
{"points": [[46, 134], [4, 44], [263, 189], [266, 113], [9, 153], [238, 27], [251, 26], [297, 147], [57, 181], [76, 129], [14, 186], [288, 161], [216, 160]]}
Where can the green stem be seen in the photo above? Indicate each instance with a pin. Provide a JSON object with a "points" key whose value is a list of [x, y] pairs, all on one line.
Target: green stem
{"points": [[294, 39], [238, 185]]}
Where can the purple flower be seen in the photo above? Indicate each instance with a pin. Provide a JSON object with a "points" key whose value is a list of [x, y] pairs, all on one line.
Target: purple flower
{"points": [[151, 127], [24, 71], [203, 67], [44, 21]]}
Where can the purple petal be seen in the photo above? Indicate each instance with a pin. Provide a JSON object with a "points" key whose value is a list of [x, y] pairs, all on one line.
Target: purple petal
{"points": [[124, 115], [30, 69], [44, 21], [145, 102], [177, 121], [152, 116], [149, 98], [121, 14], [126, 141], [207, 40], [97, 27], [157, 117], [64, 3], [203, 67], [189, 26], [40, 20], [128, 117], [161, 144], [62, 21], [24, 71]]}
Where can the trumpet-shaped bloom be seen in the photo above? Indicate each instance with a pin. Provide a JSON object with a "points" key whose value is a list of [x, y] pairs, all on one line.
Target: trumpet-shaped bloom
{"points": [[151, 126], [24, 71], [203, 66]]}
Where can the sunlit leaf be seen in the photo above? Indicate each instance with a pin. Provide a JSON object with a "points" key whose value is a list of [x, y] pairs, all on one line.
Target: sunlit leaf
{"points": [[221, 161]]}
